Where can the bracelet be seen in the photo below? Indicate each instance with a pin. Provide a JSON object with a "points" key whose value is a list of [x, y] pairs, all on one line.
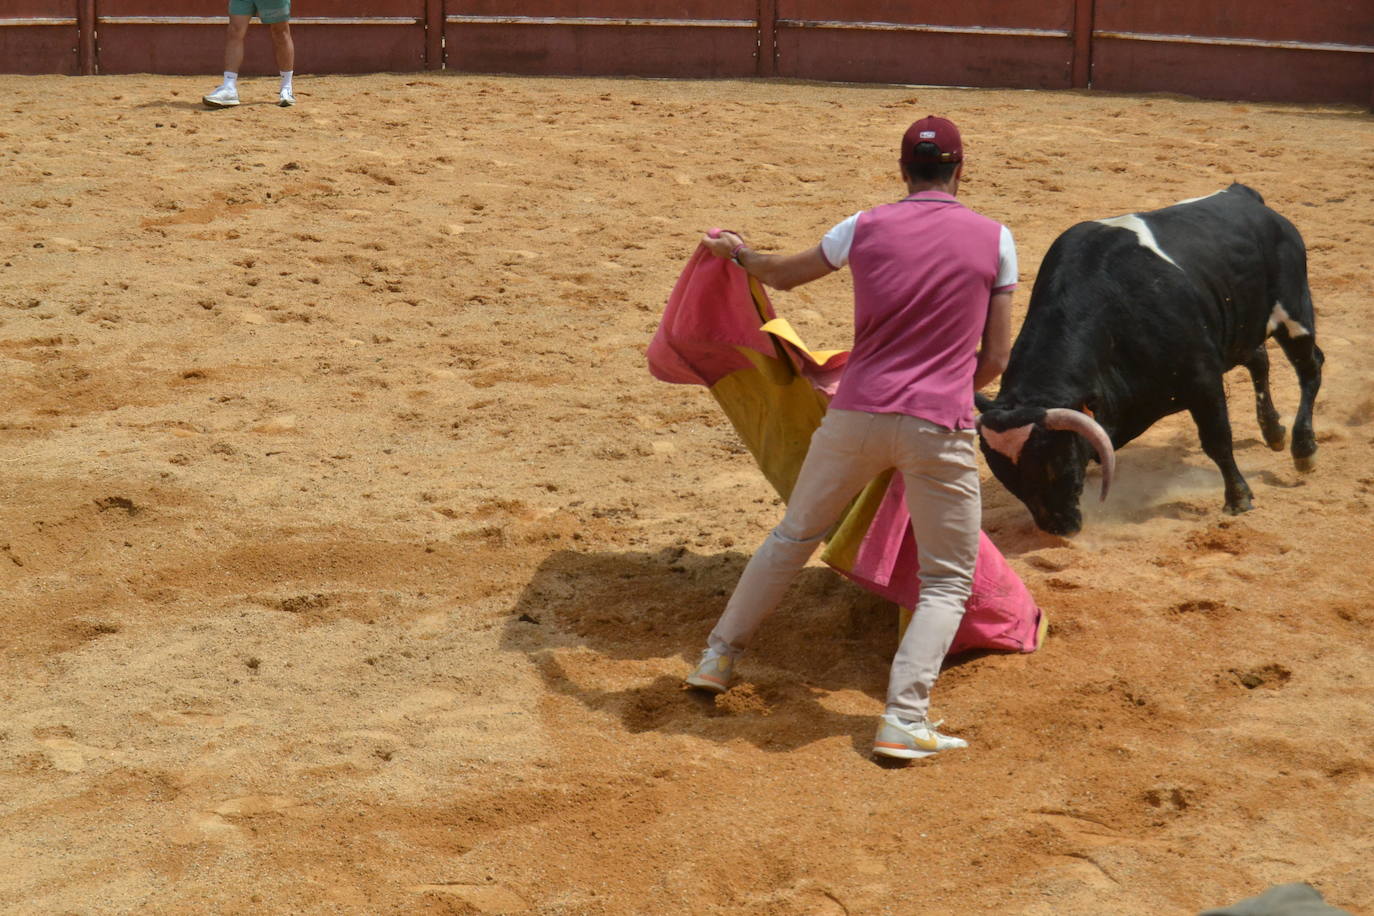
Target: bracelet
{"points": [[734, 255]]}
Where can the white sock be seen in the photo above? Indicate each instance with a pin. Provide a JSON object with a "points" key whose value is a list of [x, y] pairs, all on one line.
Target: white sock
{"points": [[231, 80], [285, 80]]}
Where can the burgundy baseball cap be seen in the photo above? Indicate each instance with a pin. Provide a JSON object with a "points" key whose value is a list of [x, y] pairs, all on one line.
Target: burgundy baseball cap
{"points": [[938, 131]]}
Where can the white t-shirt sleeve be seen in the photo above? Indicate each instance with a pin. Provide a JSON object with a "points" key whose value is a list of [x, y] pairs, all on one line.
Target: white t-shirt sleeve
{"points": [[836, 243], [1006, 263]]}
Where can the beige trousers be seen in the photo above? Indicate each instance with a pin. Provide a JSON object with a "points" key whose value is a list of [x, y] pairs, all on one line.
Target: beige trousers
{"points": [[849, 449]]}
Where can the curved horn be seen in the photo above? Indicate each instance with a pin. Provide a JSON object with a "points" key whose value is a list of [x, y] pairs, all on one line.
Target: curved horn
{"points": [[1079, 422]]}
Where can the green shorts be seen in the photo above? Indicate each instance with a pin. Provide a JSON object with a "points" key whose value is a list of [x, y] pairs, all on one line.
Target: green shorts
{"points": [[266, 10]]}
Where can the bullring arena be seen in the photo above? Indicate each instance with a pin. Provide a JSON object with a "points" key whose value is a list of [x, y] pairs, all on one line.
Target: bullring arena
{"points": [[352, 559]]}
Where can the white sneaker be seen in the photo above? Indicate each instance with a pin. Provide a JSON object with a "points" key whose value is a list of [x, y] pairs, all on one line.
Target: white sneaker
{"points": [[288, 98], [223, 97], [908, 741], [714, 672]]}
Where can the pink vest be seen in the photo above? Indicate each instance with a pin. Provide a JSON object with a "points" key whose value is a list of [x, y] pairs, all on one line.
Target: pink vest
{"points": [[923, 271]]}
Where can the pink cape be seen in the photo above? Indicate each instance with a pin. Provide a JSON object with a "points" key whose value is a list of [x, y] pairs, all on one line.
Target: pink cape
{"points": [[710, 329]]}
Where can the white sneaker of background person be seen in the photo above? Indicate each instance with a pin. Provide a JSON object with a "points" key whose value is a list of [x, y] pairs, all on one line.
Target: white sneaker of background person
{"points": [[227, 95], [287, 97]]}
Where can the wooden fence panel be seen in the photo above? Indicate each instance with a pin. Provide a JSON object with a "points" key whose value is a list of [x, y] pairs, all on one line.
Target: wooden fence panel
{"points": [[1015, 43], [332, 36], [1314, 51], [39, 36], [702, 38]]}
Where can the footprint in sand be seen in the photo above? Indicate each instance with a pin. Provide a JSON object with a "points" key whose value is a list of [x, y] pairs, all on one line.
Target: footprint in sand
{"points": [[255, 805], [484, 898], [71, 756], [204, 827]]}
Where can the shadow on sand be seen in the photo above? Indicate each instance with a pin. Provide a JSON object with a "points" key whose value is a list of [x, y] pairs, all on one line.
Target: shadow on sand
{"points": [[654, 610]]}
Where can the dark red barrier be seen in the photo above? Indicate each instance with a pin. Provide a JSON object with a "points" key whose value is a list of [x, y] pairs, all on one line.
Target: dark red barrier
{"points": [[1314, 51], [40, 36], [1021, 43], [705, 38], [337, 36]]}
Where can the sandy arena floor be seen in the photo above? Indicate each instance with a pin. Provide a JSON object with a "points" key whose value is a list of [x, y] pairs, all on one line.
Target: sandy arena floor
{"points": [[351, 559]]}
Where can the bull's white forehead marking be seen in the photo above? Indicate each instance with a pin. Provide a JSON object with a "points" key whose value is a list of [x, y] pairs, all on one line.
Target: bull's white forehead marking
{"points": [[1280, 317], [1142, 232], [1009, 442]]}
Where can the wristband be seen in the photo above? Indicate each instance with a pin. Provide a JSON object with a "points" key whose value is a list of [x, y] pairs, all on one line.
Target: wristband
{"points": [[734, 255]]}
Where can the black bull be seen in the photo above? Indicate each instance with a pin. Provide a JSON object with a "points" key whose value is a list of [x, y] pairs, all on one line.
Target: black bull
{"points": [[1138, 317]]}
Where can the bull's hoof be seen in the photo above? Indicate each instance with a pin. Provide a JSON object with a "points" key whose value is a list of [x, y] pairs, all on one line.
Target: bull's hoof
{"points": [[1238, 507], [1306, 464], [1277, 444], [1276, 436]]}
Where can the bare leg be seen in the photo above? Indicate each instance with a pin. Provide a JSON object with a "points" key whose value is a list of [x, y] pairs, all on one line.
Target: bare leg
{"points": [[283, 46], [233, 43]]}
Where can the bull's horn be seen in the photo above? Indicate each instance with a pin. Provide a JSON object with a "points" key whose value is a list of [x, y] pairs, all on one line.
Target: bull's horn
{"points": [[1009, 442], [1079, 422]]}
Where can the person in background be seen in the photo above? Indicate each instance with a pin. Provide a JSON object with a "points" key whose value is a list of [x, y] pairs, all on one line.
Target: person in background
{"points": [[276, 15]]}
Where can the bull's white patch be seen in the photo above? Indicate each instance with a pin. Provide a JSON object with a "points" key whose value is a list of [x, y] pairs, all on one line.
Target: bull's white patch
{"points": [[1193, 200], [1142, 232], [1279, 316], [1009, 442]]}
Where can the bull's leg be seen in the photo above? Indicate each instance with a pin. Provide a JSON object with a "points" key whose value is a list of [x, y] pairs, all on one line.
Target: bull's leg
{"points": [[1302, 351], [1214, 429], [1258, 364]]}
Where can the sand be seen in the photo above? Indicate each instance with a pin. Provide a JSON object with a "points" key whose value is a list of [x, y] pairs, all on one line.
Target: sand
{"points": [[351, 559]]}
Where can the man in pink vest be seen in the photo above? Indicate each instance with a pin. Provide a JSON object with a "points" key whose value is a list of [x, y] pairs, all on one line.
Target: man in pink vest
{"points": [[933, 286]]}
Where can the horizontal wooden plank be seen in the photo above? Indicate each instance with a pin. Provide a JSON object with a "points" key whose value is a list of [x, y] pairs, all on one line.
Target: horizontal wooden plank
{"points": [[219, 21], [929, 28], [604, 51], [114, 9], [925, 58], [1312, 21], [1234, 42], [190, 49], [597, 21], [1255, 73], [39, 49], [607, 9], [1013, 14]]}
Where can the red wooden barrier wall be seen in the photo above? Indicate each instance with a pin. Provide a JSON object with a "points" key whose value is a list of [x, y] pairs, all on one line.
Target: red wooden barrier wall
{"points": [[1023, 43], [1315, 51], [40, 36], [332, 36], [702, 38]]}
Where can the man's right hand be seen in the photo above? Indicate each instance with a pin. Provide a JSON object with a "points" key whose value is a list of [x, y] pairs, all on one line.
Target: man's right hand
{"points": [[723, 245]]}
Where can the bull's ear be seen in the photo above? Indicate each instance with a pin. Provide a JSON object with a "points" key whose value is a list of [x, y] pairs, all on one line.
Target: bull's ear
{"points": [[981, 401]]}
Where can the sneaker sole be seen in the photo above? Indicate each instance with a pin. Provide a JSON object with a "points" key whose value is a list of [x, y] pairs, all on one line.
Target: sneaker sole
{"points": [[284, 104], [704, 684], [902, 753], [210, 104]]}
